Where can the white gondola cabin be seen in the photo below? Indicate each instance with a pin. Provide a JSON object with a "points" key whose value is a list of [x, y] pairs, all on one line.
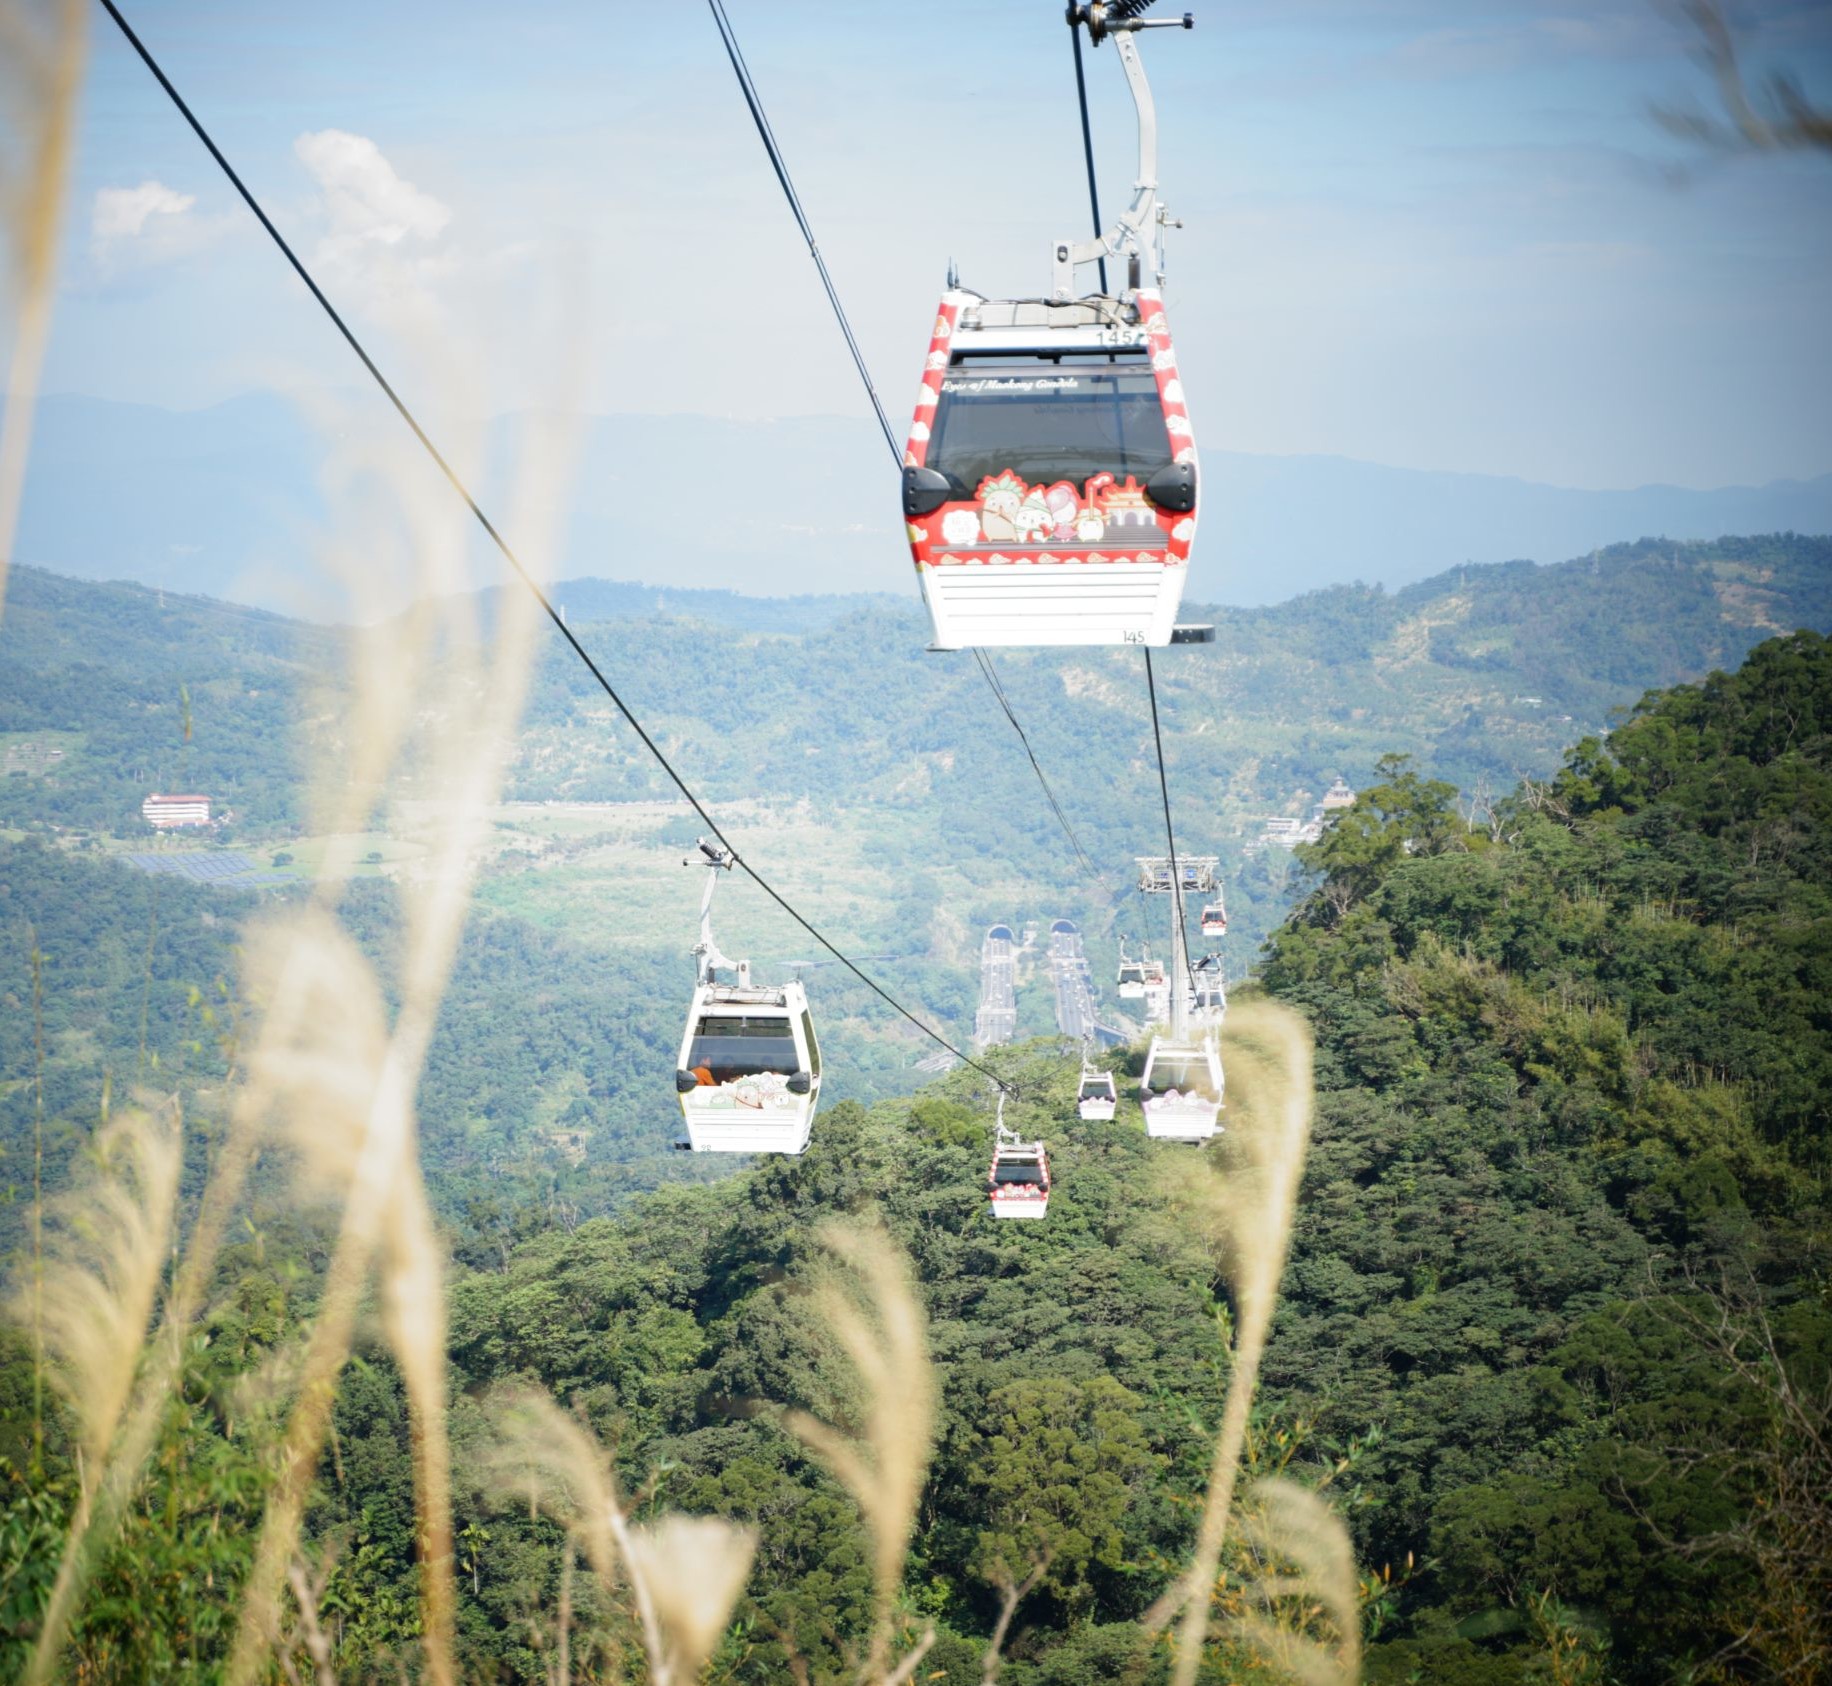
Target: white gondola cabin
{"points": [[1097, 1097], [1018, 1185], [1157, 997], [1180, 1090], [1214, 920], [750, 1071], [749, 1078], [1208, 989], [1049, 482], [1131, 980]]}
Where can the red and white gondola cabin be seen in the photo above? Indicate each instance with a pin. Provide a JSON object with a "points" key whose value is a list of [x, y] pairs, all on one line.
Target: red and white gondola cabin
{"points": [[1018, 1185], [1050, 474]]}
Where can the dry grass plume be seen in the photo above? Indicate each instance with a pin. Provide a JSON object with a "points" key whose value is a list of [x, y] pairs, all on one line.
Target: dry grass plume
{"points": [[684, 1573], [1308, 1620], [1246, 1209], [41, 67], [106, 1243], [433, 700], [882, 1457]]}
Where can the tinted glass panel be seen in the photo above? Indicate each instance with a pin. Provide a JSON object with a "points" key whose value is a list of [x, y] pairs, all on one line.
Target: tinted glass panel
{"points": [[1047, 424], [1185, 1076], [1018, 1174], [814, 1048], [733, 1046]]}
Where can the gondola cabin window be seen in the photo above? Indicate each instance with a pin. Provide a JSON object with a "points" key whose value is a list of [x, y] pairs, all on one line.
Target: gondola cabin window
{"points": [[814, 1048], [1009, 1174], [1188, 1076], [1047, 419], [732, 1045]]}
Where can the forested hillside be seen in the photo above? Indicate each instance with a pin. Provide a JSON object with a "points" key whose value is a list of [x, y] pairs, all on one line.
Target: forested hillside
{"points": [[1555, 1337], [1565, 1234], [876, 783], [540, 1094], [832, 709]]}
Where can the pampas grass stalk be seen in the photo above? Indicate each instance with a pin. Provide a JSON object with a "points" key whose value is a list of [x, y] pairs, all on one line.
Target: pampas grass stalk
{"points": [[413, 1310], [1291, 1525], [1249, 1210], [381, 1160], [38, 1208], [317, 1647], [96, 1290], [117, 1474], [341, 1081], [684, 1572], [41, 68], [562, 1672], [883, 1460]]}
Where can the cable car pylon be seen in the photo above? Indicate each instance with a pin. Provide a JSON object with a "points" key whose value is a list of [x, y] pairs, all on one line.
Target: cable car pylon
{"points": [[1181, 1087]]}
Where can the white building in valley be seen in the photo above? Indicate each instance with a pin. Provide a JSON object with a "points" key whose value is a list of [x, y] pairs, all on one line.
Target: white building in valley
{"points": [[170, 813]]}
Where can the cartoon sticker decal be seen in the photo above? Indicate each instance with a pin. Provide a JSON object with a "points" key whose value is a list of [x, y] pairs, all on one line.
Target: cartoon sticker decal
{"points": [[1012, 511], [1033, 518], [764, 1091], [1000, 500], [960, 526]]}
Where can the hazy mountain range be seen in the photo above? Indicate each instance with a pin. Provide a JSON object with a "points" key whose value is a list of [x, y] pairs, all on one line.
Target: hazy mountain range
{"points": [[231, 501]]}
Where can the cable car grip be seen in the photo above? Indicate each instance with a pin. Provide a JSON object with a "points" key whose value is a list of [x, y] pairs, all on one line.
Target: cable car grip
{"points": [[1107, 17]]}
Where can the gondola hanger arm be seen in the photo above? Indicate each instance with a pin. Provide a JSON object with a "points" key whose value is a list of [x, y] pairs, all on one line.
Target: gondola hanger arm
{"points": [[709, 960], [1134, 235]]}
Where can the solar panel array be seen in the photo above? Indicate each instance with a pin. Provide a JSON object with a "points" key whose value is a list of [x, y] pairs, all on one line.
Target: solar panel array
{"points": [[228, 867]]}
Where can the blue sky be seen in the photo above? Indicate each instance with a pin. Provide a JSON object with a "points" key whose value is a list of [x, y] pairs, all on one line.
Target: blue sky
{"points": [[1432, 235]]}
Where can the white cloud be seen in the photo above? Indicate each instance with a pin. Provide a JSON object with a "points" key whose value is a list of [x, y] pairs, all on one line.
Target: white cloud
{"points": [[382, 235], [151, 210], [364, 199]]}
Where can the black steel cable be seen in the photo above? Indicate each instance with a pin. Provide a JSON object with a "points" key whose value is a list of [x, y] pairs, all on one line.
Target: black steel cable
{"points": [[1170, 835], [502, 545], [768, 136], [1087, 140], [991, 676]]}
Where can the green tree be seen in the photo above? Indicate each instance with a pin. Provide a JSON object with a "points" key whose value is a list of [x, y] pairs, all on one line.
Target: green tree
{"points": [[1054, 1479], [1402, 815]]}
